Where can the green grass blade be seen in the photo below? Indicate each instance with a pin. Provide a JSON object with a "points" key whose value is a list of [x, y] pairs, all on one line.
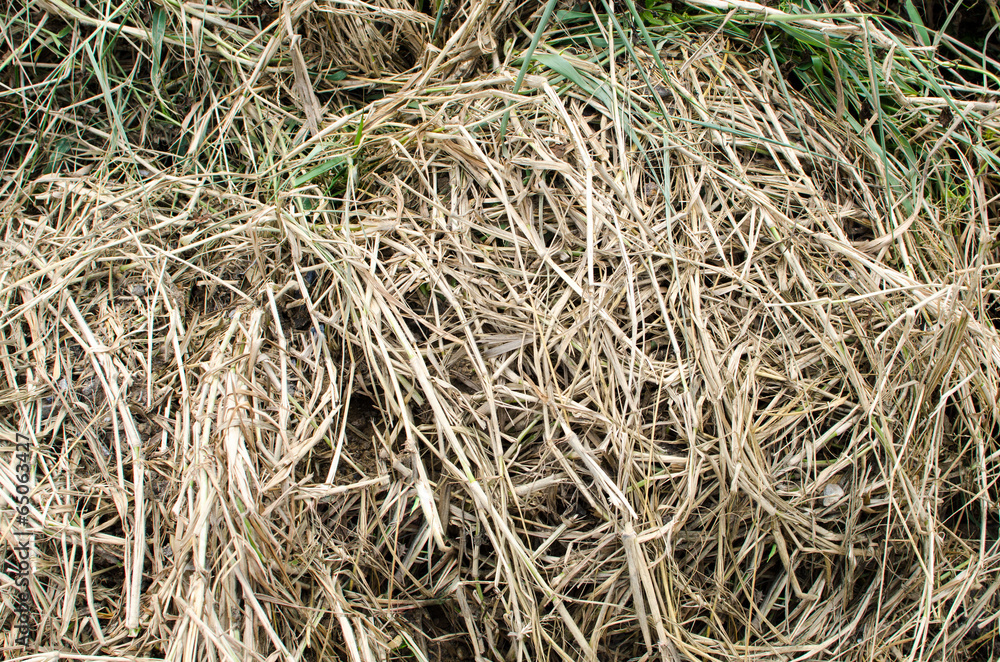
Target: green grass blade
{"points": [[542, 24]]}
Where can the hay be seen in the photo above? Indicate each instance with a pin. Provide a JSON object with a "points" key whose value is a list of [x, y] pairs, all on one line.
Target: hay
{"points": [[686, 357]]}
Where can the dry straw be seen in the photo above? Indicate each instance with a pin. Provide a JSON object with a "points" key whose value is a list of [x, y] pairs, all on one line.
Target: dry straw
{"points": [[335, 344]]}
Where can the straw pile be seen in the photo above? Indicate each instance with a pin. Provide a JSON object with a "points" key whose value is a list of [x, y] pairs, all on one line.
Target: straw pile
{"points": [[338, 339]]}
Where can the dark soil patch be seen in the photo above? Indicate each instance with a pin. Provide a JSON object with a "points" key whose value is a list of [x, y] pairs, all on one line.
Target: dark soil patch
{"points": [[359, 447]]}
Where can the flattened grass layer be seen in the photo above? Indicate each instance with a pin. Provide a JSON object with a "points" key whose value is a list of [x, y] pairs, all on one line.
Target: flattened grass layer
{"points": [[389, 331]]}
